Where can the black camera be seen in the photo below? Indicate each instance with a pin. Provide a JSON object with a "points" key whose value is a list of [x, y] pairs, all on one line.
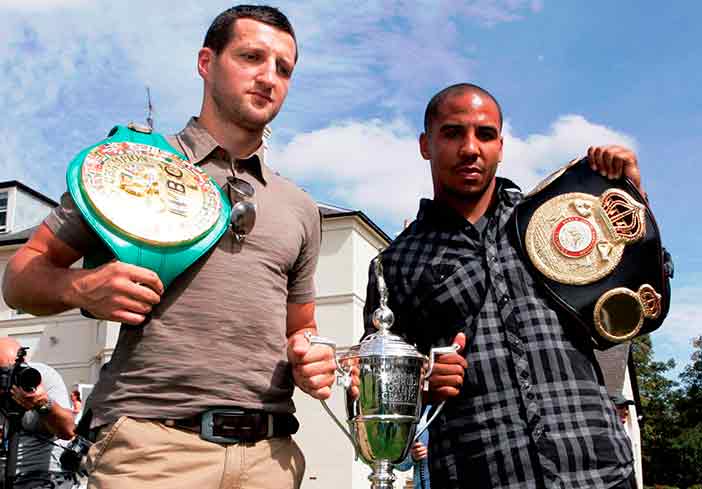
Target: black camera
{"points": [[73, 453], [19, 374], [78, 447]]}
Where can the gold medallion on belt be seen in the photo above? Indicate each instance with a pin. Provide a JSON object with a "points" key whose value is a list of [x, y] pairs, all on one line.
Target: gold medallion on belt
{"points": [[150, 194], [578, 238]]}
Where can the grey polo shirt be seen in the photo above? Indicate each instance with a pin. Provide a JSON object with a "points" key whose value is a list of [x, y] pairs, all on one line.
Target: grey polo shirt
{"points": [[38, 450], [218, 337]]}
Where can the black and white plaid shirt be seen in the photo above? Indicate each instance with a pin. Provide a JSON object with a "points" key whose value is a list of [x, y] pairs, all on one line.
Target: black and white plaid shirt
{"points": [[532, 412]]}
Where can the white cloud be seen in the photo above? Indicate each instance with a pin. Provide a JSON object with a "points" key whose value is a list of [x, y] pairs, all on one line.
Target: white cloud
{"points": [[73, 68], [41, 5], [376, 166], [387, 52], [684, 322], [528, 161], [68, 75]]}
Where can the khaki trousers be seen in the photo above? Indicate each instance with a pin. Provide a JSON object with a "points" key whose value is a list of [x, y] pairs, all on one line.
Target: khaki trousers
{"points": [[145, 454]]}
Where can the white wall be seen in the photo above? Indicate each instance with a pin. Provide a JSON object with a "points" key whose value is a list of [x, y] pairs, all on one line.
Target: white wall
{"points": [[632, 428], [347, 248], [28, 210], [5, 253]]}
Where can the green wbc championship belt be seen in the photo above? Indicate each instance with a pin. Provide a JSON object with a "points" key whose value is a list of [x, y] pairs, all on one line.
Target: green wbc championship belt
{"points": [[150, 206]]}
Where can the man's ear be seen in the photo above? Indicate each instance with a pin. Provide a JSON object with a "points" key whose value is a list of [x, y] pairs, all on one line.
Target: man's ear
{"points": [[424, 146], [499, 159], [204, 58]]}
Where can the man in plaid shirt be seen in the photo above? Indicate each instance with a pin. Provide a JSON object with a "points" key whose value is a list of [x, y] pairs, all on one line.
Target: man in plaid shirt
{"points": [[532, 411]]}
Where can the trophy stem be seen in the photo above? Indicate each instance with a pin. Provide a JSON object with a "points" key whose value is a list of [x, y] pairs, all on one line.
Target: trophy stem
{"points": [[382, 476]]}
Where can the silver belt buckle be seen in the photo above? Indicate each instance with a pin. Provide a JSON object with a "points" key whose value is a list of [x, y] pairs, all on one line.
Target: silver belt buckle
{"points": [[207, 426]]}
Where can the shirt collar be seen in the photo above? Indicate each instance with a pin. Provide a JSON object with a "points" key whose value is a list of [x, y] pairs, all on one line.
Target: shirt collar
{"points": [[437, 213], [199, 145]]}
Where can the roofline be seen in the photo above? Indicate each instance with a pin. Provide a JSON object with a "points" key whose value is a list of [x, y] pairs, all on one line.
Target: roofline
{"points": [[332, 207], [367, 220], [12, 242], [29, 190], [358, 214]]}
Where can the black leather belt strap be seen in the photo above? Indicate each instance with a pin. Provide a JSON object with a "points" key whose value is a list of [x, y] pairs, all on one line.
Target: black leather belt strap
{"points": [[237, 425]]}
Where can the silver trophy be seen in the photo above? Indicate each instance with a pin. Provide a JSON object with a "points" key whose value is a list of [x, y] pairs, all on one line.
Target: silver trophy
{"points": [[388, 374]]}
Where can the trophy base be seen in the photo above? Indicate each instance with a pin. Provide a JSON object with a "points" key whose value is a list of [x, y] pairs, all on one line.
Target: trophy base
{"points": [[382, 476]]}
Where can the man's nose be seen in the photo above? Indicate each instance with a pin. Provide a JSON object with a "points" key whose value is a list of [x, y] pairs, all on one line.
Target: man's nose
{"points": [[469, 146], [267, 74]]}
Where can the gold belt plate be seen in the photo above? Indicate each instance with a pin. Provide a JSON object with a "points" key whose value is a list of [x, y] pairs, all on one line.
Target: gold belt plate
{"points": [[149, 194], [578, 238]]}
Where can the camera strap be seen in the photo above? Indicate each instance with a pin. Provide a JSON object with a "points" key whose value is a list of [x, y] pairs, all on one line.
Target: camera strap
{"points": [[12, 433]]}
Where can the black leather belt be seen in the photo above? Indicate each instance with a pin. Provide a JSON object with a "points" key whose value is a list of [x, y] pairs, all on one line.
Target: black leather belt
{"points": [[237, 425]]}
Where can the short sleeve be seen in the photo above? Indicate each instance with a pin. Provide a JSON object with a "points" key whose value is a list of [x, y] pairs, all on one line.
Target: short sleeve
{"points": [[67, 223], [301, 288]]}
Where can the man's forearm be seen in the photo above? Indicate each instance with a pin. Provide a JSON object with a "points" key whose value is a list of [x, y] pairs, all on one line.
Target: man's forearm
{"points": [[35, 285], [59, 421]]}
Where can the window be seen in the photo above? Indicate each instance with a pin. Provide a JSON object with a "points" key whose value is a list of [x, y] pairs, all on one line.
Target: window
{"points": [[3, 212]]}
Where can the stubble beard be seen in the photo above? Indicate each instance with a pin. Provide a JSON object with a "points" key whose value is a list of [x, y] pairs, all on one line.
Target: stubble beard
{"points": [[468, 195], [236, 112]]}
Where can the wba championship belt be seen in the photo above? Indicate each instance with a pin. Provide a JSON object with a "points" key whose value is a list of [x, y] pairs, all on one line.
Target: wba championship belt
{"points": [[150, 206], [595, 247]]}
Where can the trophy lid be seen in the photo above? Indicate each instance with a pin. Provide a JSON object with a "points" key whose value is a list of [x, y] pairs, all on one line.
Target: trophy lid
{"points": [[387, 344], [384, 342]]}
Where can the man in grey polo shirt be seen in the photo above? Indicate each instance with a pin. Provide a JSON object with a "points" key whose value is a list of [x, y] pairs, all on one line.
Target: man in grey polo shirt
{"points": [[228, 332], [47, 421]]}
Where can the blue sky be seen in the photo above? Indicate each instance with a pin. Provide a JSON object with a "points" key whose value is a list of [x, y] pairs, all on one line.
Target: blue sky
{"points": [[567, 73]]}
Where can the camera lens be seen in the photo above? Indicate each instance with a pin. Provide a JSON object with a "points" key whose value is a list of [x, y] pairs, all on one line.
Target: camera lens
{"points": [[28, 378]]}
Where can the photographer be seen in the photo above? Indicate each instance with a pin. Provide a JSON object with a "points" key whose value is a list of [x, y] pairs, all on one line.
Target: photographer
{"points": [[46, 417]]}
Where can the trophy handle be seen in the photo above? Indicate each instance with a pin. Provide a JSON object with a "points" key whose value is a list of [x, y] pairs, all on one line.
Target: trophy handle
{"points": [[345, 377], [429, 421], [341, 427], [432, 359]]}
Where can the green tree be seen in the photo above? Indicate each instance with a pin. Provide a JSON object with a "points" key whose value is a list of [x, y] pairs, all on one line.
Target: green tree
{"points": [[690, 404], [659, 427], [687, 445], [671, 435]]}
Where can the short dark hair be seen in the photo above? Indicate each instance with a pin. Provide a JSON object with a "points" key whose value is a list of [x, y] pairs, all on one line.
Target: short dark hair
{"points": [[220, 32], [459, 88]]}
